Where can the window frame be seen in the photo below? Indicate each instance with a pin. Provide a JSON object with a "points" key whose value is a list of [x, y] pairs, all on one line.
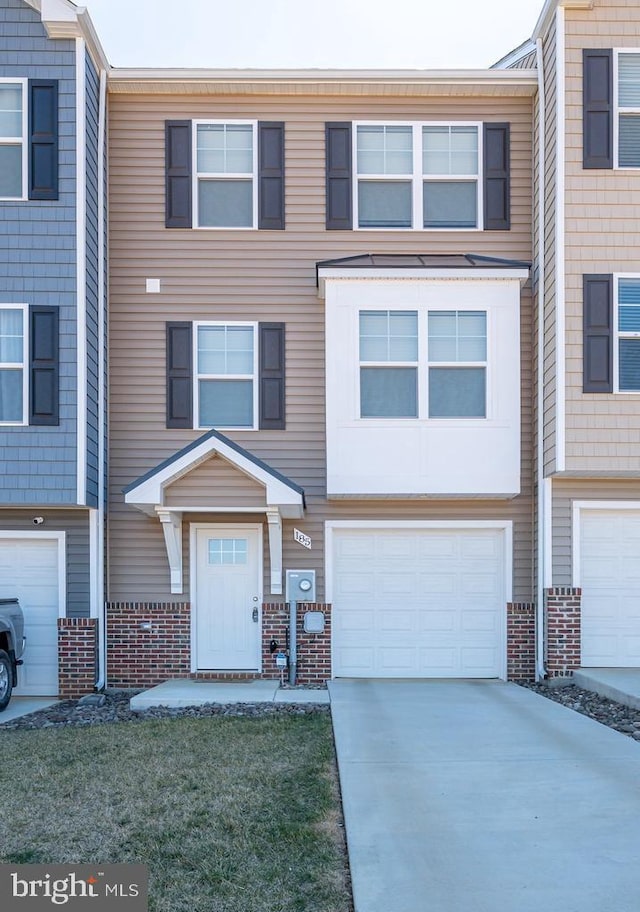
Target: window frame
{"points": [[416, 178], [382, 365], [617, 335], [255, 377], [210, 175], [23, 141], [618, 110], [423, 364], [24, 366], [460, 365]]}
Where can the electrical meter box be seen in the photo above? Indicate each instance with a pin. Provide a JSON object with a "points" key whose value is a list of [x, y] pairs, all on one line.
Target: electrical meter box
{"points": [[300, 586]]}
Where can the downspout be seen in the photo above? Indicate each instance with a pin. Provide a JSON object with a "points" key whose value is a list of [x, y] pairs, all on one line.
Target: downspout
{"points": [[541, 499], [102, 399]]}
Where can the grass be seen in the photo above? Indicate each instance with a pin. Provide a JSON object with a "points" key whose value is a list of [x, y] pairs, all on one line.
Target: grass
{"points": [[230, 814]]}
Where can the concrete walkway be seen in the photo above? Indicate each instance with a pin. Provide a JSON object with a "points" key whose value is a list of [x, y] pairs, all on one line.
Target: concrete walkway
{"points": [[619, 684], [484, 797], [185, 692]]}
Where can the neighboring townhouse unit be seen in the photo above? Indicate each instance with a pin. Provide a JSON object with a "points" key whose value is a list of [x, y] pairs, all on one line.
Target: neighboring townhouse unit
{"points": [[589, 61], [52, 336]]}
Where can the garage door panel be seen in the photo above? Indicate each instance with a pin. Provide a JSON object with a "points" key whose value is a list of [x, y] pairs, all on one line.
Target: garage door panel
{"points": [[430, 610], [29, 571], [610, 571]]}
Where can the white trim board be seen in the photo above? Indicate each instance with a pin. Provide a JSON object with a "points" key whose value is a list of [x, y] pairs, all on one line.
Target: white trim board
{"points": [[61, 538], [560, 244]]}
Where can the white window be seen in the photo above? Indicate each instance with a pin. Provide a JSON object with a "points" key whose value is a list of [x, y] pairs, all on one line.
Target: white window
{"points": [[628, 115], [417, 176], [389, 364], [628, 335], [225, 191], [13, 359], [13, 145], [227, 551], [457, 364], [443, 352], [225, 378]]}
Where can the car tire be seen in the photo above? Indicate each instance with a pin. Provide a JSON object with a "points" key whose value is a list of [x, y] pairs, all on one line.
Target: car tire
{"points": [[6, 679]]}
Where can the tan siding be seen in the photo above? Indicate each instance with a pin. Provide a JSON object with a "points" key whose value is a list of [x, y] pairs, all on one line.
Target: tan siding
{"points": [[602, 237], [75, 523], [550, 83], [262, 275], [215, 483], [528, 62], [565, 491]]}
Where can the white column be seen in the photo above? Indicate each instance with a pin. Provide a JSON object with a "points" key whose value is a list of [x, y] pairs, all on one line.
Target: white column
{"points": [[172, 528], [275, 549]]}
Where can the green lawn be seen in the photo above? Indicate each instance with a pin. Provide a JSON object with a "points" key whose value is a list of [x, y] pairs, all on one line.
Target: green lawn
{"points": [[230, 814]]}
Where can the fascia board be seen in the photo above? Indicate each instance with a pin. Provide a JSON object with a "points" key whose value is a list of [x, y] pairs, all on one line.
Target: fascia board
{"points": [[520, 275]]}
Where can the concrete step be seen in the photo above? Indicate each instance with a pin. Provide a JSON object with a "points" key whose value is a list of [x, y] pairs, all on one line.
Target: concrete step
{"points": [[619, 684]]}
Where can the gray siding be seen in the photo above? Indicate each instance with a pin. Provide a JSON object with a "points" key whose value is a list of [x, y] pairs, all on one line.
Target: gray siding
{"points": [[93, 303], [38, 266], [76, 525]]}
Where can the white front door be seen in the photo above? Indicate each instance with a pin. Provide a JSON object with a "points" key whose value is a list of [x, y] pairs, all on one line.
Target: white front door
{"points": [[228, 598], [30, 572]]}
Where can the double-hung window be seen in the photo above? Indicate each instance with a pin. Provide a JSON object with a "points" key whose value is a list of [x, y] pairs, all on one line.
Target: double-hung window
{"points": [[457, 355], [389, 364], [403, 352], [418, 176], [13, 130], [628, 120], [225, 167], [628, 335], [13, 358], [225, 379]]}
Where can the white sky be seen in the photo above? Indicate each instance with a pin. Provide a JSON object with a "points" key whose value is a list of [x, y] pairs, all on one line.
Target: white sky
{"points": [[418, 34]]}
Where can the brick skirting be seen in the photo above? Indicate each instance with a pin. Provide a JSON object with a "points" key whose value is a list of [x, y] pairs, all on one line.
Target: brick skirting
{"points": [[147, 643], [313, 649], [77, 656], [521, 641], [563, 608]]}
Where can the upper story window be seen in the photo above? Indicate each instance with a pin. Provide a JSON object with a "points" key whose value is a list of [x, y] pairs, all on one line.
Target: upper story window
{"points": [[440, 352], [628, 120], [417, 176], [13, 129], [225, 379], [225, 168], [628, 335], [13, 357]]}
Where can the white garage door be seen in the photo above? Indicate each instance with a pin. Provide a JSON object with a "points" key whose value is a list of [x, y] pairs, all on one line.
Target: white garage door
{"points": [[419, 603], [610, 578], [29, 571]]}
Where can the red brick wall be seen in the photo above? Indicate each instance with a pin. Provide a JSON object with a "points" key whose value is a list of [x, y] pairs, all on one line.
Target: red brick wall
{"points": [[139, 657], [77, 656], [521, 641], [314, 649], [563, 630]]}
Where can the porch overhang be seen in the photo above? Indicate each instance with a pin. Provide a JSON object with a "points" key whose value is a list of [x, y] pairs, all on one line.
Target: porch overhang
{"points": [[283, 499]]}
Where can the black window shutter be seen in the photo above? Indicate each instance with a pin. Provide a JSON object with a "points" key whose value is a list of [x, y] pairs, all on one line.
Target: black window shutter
{"points": [[597, 319], [43, 139], [43, 365], [497, 177], [339, 204], [178, 174], [271, 176], [272, 376], [597, 108], [179, 375]]}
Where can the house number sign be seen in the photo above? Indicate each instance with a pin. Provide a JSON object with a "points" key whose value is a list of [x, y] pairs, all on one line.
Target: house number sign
{"points": [[301, 538]]}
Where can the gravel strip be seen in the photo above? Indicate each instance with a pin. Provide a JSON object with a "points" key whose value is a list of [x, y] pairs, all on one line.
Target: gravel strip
{"points": [[615, 715], [116, 709]]}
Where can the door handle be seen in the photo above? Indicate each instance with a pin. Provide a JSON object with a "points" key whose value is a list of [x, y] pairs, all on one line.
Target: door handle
{"points": [[254, 615]]}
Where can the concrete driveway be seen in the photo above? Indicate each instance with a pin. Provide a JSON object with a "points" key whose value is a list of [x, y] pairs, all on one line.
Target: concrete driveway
{"points": [[474, 796]]}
